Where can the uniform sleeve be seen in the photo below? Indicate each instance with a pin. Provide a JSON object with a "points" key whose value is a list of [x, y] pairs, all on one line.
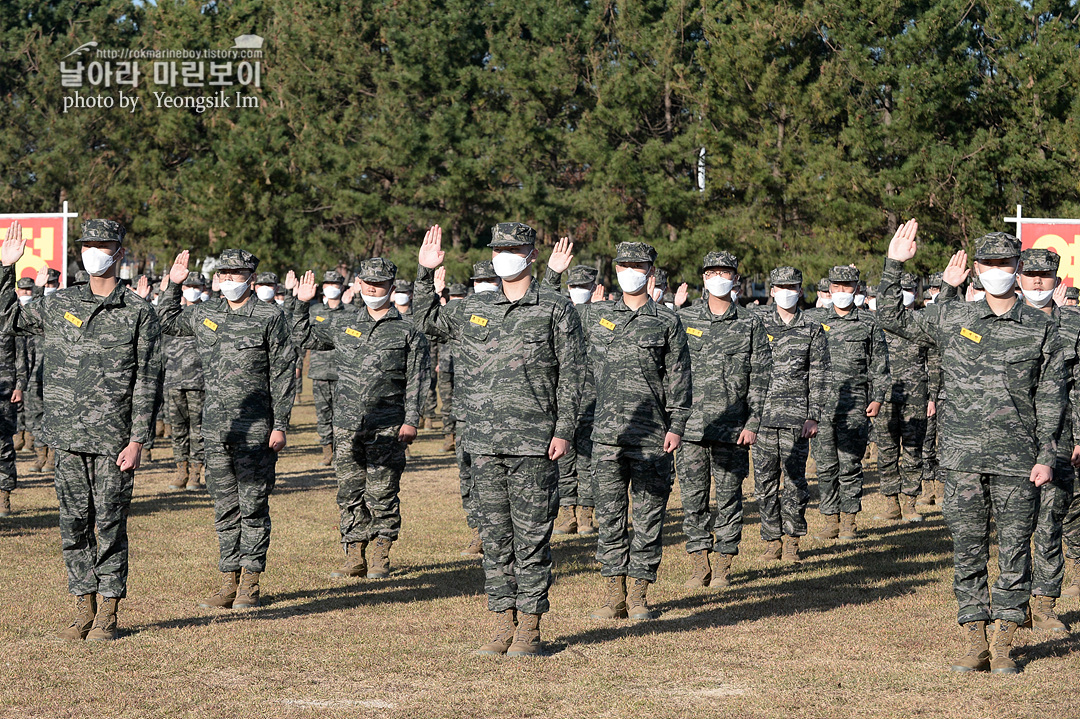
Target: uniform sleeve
{"points": [[304, 334], [149, 374], [570, 353], [880, 381], [418, 377], [552, 280], [175, 320], [760, 371], [677, 381], [933, 373], [1050, 397], [1074, 394], [15, 319], [282, 375], [22, 365], [434, 319], [820, 367], [912, 326]]}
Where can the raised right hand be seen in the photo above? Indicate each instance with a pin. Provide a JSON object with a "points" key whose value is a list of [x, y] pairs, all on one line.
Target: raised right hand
{"points": [[14, 245], [179, 271], [902, 246], [431, 254], [305, 291]]}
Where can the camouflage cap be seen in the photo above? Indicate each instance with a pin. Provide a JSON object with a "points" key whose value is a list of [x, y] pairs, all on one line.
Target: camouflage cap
{"points": [[934, 280], [402, 286], [635, 252], [483, 270], [1072, 293], [660, 277], [377, 269], [332, 277], [194, 279], [512, 234], [844, 273], [720, 259], [266, 278], [871, 291], [233, 259], [102, 231], [997, 246], [582, 275], [823, 284], [1040, 260], [25, 284], [908, 281], [785, 276], [457, 289], [82, 277], [54, 275]]}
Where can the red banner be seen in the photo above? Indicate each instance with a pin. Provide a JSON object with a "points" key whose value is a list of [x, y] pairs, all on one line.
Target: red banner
{"points": [[46, 246], [1063, 237]]}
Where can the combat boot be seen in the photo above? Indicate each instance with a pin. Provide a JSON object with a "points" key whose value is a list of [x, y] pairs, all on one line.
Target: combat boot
{"points": [[327, 456], [926, 495], [977, 658], [566, 522], [504, 634], [195, 476], [1001, 644], [939, 492], [892, 509], [637, 604], [773, 550], [790, 552], [721, 571], [50, 461], [85, 611], [1043, 615], [907, 509], [847, 526], [449, 445], [5, 503], [475, 547], [586, 523], [614, 606], [247, 594], [41, 455], [701, 571], [380, 559], [168, 430], [831, 529], [180, 480], [355, 564], [1072, 589], [104, 629], [226, 593], [527, 637], [19, 440]]}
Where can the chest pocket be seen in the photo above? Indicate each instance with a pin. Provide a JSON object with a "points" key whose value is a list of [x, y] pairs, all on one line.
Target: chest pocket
{"points": [[476, 328], [1022, 366], [695, 338], [652, 345], [207, 329], [537, 347], [738, 353], [392, 354], [115, 345]]}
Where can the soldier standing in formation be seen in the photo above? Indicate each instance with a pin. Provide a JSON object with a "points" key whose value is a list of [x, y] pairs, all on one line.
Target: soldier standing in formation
{"points": [[321, 368], [186, 394]]}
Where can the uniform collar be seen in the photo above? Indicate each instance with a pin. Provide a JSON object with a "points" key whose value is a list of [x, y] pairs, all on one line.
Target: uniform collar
{"points": [[391, 314], [531, 296], [113, 299], [732, 312], [1013, 314], [649, 308]]}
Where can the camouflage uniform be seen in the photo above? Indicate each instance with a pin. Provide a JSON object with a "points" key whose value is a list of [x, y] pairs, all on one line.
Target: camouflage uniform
{"points": [[382, 367], [641, 367], [797, 389], [731, 362], [248, 366], [430, 399], [519, 379], [1005, 382], [446, 372], [27, 357], [13, 372], [102, 360], [321, 368], [184, 388]]}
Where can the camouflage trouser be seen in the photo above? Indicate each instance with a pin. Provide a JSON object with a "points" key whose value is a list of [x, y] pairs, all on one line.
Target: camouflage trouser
{"points": [[1071, 523], [899, 430], [20, 422], [838, 449], [648, 481], [699, 464], [446, 394], [94, 494], [783, 512], [518, 498], [186, 407], [322, 391], [9, 419], [240, 480], [430, 400], [1047, 559], [576, 484], [368, 462], [929, 449], [34, 406], [970, 501], [468, 496]]}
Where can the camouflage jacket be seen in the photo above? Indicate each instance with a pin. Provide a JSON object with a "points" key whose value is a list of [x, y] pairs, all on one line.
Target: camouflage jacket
{"points": [[321, 364], [798, 386], [858, 359], [382, 367], [183, 366], [102, 364], [519, 365], [641, 365], [553, 281], [908, 368], [1004, 379], [247, 361], [13, 367], [730, 362], [1067, 321], [26, 347]]}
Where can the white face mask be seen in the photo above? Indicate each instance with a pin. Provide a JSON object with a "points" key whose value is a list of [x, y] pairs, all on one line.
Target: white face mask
{"points": [[191, 293], [719, 286], [670, 305], [843, 300], [631, 281], [978, 295], [265, 292], [233, 290], [23, 299], [280, 301], [826, 301], [375, 302], [485, 286], [909, 297], [331, 292], [50, 290], [929, 300], [997, 281], [859, 300], [509, 264], [97, 262], [1039, 298], [658, 294], [580, 295], [734, 296], [786, 298], [155, 300], [871, 304], [204, 297], [401, 298]]}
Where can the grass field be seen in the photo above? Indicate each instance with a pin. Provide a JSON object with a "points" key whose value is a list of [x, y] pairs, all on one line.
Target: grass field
{"points": [[862, 629]]}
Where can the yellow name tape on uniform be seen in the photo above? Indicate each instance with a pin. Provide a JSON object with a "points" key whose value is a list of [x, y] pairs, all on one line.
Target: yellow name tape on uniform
{"points": [[771, 338], [320, 318], [354, 333], [825, 327], [694, 331], [73, 319], [607, 324], [478, 320], [973, 336], [211, 324]]}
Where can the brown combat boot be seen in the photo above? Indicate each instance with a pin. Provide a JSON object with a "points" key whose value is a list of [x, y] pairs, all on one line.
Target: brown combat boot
{"points": [[790, 552], [614, 606], [908, 511], [504, 634], [247, 594], [327, 456], [977, 658], [195, 476], [180, 480], [5, 503], [226, 594], [721, 571], [527, 637], [926, 496], [449, 445], [355, 564], [85, 610], [380, 559], [1001, 644], [701, 571], [939, 492], [892, 509], [847, 526], [19, 440], [566, 522], [831, 529], [773, 550], [1043, 615], [637, 604], [104, 629], [41, 455], [586, 523], [1072, 589], [475, 547], [50, 461]]}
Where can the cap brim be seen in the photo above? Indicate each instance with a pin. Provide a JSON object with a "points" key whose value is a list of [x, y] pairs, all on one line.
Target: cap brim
{"points": [[996, 255]]}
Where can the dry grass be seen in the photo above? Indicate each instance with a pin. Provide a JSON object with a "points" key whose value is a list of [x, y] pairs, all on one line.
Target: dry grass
{"points": [[865, 629]]}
